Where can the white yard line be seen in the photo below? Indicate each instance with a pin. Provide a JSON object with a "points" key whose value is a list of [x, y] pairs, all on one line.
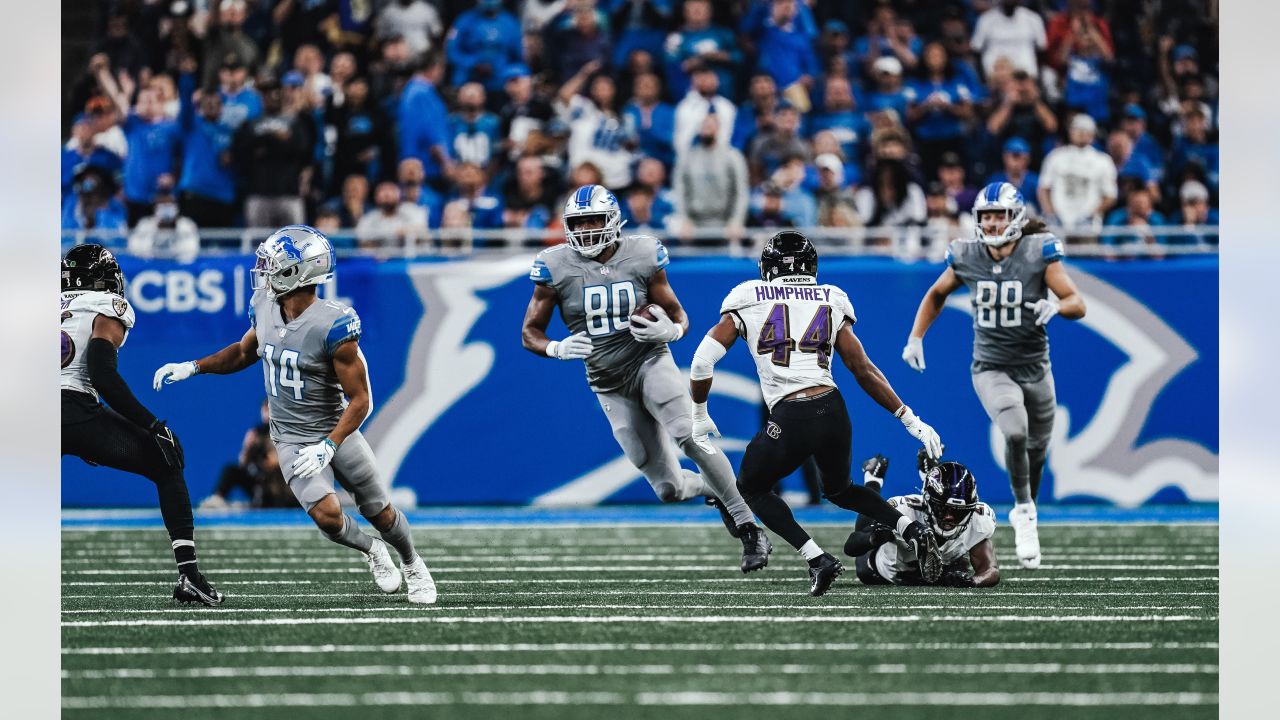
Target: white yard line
{"points": [[471, 568], [946, 699], [643, 647], [606, 581], [822, 606], [927, 592]]}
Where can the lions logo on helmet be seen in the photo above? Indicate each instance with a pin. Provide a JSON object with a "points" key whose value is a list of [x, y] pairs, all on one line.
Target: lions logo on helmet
{"points": [[951, 495], [592, 203], [1004, 198], [294, 256]]}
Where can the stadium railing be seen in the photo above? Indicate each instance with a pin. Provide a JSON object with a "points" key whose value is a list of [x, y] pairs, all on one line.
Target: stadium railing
{"points": [[904, 243]]}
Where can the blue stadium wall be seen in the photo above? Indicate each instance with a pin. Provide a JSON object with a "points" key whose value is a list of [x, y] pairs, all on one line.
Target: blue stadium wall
{"points": [[464, 415]]}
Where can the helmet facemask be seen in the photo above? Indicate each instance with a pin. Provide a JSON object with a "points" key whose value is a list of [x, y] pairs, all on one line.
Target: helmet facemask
{"points": [[589, 234], [951, 495], [948, 519], [999, 226]]}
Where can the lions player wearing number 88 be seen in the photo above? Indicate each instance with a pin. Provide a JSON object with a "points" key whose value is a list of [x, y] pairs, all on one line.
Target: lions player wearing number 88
{"points": [[1010, 265]]}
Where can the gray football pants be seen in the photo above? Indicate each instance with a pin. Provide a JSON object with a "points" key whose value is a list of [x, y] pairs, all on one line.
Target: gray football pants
{"points": [[353, 466], [1024, 413], [648, 418]]}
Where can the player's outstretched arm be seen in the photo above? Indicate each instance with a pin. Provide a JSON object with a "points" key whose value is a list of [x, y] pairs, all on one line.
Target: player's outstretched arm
{"points": [[713, 347], [986, 570], [230, 359], [100, 357], [930, 307], [876, 385]]}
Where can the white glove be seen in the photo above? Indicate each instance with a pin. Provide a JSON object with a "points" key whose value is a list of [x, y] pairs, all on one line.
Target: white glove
{"points": [[574, 347], [913, 353], [662, 330], [314, 458], [921, 431], [1044, 309], [703, 426], [170, 373]]}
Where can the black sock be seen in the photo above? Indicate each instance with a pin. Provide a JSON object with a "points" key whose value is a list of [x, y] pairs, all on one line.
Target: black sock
{"points": [[867, 503], [817, 561], [184, 553], [776, 515]]}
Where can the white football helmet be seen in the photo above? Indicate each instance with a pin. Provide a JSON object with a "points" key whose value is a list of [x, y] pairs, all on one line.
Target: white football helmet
{"points": [[586, 202], [294, 256], [1005, 198]]}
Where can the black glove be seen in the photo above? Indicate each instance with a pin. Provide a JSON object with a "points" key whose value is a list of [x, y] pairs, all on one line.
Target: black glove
{"points": [[169, 445], [955, 577]]}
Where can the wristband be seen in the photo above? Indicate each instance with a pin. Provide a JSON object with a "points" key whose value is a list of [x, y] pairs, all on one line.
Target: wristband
{"points": [[332, 445], [196, 364], [550, 350]]}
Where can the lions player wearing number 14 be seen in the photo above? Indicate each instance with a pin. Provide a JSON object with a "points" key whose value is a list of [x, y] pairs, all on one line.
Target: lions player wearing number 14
{"points": [[318, 395], [1009, 267], [598, 279]]}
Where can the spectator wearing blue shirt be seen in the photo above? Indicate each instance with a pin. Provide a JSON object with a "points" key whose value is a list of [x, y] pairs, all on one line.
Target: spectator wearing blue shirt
{"points": [[643, 211], [756, 115], [208, 181], [1138, 214], [1016, 157], [699, 43], [758, 14], [482, 43], [834, 43], [473, 131], [644, 26], [887, 36], [839, 115], [80, 150], [1195, 155], [939, 106], [484, 207], [1087, 73], [413, 189], [785, 51], [93, 206], [1194, 212], [583, 43], [1133, 120], [424, 122], [650, 119], [1132, 170], [887, 92], [770, 150], [240, 103]]}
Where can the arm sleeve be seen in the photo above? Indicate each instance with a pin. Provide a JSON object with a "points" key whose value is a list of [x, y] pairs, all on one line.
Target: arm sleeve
{"points": [[345, 327], [101, 359]]}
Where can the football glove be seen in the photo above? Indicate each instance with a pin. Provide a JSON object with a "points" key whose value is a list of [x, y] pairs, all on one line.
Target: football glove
{"points": [[170, 373], [921, 431], [314, 458], [170, 448], [662, 330], [1044, 309], [703, 426], [913, 353], [955, 578], [574, 347]]}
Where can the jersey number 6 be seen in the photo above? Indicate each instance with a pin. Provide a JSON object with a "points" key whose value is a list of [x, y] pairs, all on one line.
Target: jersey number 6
{"points": [[775, 336]]}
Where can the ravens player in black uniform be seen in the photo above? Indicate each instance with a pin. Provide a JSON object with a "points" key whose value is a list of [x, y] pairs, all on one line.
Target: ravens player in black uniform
{"points": [[96, 319]]}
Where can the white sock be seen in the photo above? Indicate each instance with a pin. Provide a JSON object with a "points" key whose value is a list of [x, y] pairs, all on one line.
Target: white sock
{"points": [[903, 523], [810, 550], [869, 479], [1027, 508]]}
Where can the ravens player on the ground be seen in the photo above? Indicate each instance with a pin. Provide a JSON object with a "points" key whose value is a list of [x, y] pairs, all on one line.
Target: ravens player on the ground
{"points": [[598, 279], [96, 319], [794, 326], [318, 395], [1009, 266], [948, 504]]}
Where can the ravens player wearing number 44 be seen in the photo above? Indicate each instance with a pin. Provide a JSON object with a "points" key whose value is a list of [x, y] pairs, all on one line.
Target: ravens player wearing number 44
{"points": [[598, 279], [318, 396], [1009, 266]]}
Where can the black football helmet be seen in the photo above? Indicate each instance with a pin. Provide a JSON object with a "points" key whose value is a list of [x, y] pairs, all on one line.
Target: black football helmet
{"points": [[91, 267], [788, 253], [951, 495]]}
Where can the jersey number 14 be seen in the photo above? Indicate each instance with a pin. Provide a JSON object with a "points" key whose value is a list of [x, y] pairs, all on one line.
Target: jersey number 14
{"points": [[998, 302], [775, 336], [290, 375]]}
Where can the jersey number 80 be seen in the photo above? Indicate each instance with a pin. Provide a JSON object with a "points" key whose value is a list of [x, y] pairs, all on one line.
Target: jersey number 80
{"points": [[608, 308]]}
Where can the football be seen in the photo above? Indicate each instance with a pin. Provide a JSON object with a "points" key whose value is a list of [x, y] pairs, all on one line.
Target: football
{"points": [[645, 311]]}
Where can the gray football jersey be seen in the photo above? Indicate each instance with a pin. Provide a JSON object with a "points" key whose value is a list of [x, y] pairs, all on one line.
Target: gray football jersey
{"points": [[599, 298], [1004, 330], [303, 392]]}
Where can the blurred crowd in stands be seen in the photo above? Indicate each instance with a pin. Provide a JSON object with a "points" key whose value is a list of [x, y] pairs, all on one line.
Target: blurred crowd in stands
{"points": [[402, 120]]}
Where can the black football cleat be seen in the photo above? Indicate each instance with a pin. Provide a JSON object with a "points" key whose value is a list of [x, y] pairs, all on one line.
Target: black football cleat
{"points": [[922, 541], [725, 517], [196, 589], [877, 466], [823, 574], [755, 547]]}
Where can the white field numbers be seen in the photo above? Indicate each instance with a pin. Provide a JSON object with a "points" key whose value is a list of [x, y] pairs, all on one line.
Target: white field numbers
{"points": [[998, 303], [290, 374], [608, 308]]}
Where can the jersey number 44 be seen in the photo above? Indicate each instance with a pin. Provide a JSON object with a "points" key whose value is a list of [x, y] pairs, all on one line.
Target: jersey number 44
{"points": [[775, 336]]}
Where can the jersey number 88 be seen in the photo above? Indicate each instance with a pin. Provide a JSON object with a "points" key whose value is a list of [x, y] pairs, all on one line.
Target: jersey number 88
{"points": [[1001, 301]]}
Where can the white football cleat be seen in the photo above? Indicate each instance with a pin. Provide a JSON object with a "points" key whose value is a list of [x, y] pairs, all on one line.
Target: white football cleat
{"points": [[383, 569], [1026, 539], [422, 589]]}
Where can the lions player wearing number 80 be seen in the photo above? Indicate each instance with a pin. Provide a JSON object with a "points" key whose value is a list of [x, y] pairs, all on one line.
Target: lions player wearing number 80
{"points": [[1010, 266]]}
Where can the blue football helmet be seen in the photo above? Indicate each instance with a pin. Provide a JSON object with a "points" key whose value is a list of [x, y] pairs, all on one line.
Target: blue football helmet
{"points": [[294, 256], [596, 202], [950, 496], [1000, 197]]}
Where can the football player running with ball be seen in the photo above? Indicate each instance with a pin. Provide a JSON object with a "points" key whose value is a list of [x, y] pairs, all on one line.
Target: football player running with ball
{"points": [[948, 504], [1009, 266], [311, 360], [599, 280], [96, 319], [794, 326]]}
